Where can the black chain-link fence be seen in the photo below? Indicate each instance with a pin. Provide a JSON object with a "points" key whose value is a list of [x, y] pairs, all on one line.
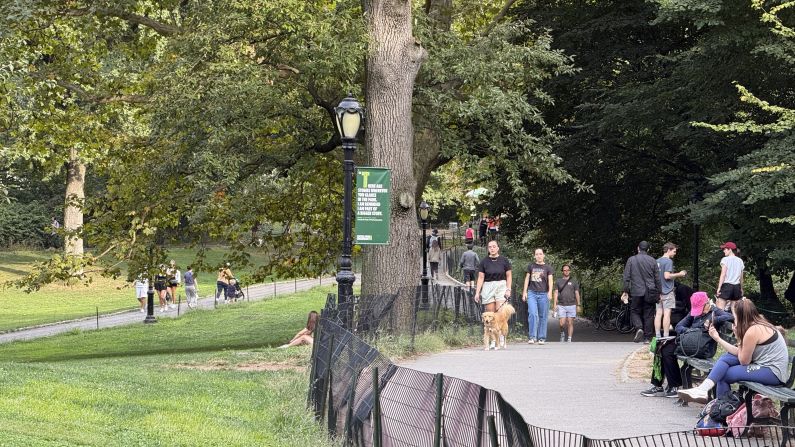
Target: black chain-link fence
{"points": [[366, 400]]}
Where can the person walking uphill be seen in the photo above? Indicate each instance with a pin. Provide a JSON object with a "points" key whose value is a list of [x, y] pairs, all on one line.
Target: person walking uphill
{"points": [[642, 288], [539, 279], [469, 265], [434, 258]]}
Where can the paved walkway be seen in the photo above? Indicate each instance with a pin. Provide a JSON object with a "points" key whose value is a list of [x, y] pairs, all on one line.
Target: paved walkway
{"points": [[574, 387], [581, 387], [253, 293]]}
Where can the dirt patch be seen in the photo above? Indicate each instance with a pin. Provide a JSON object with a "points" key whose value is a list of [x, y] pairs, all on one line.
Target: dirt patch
{"points": [[637, 366], [221, 365]]}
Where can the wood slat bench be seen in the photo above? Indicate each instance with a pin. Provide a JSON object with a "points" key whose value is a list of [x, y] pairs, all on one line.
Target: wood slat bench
{"points": [[785, 394]]}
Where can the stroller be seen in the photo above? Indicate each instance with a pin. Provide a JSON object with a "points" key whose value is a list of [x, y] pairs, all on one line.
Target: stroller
{"points": [[234, 291]]}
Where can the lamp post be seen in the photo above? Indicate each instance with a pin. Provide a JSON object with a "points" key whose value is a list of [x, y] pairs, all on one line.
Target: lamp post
{"points": [[695, 198], [349, 116], [424, 209]]}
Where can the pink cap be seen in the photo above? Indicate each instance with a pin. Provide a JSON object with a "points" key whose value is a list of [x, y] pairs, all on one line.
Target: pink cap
{"points": [[697, 302]]}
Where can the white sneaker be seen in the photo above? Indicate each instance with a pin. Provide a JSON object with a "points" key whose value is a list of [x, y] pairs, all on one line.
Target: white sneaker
{"points": [[569, 340], [541, 342], [532, 341], [696, 395], [162, 309], [492, 346], [143, 311]]}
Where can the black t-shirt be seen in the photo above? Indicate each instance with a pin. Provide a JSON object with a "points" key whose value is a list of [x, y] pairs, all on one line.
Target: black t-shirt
{"points": [[566, 291], [494, 268], [539, 277]]}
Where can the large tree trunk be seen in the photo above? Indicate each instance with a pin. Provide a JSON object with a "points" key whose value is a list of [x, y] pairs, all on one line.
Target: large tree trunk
{"points": [[73, 209], [393, 62]]}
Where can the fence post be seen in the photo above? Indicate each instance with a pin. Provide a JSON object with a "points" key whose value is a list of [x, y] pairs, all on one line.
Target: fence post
{"points": [[313, 365], [417, 296], [326, 383], [331, 416], [248, 296], [295, 284], [348, 436], [97, 317], [274, 288], [493, 432], [376, 410], [437, 432], [179, 303]]}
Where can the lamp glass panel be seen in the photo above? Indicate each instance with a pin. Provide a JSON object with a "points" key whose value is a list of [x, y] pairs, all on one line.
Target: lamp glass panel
{"points": [[350, 124]]}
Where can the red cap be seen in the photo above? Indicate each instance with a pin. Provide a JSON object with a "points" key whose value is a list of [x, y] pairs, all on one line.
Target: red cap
{"points": [[729, 245]]}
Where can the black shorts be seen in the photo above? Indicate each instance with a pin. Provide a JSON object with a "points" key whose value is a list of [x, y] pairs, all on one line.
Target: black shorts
{"points": [[160, 286], [173, 283], [730, 292], [470, 275]]}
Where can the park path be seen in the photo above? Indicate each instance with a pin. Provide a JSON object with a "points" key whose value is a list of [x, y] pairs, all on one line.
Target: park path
{"points": [[253, 293], [587, 387]]}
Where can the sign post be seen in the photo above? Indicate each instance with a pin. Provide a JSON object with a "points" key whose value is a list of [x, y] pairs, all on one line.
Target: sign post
{"points": [[373, 208]]}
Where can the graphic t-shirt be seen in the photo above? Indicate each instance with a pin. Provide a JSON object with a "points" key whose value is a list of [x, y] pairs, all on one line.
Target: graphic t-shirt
{"points": [[539, 277], [566, 288], [666, 264], [494, 268]]}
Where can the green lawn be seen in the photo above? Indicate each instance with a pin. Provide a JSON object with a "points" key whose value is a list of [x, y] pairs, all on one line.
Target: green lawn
{"points": [[208, 378], [58, 302]]}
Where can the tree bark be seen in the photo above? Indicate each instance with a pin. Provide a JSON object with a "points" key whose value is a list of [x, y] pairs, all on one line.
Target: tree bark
{"points": [[393, 61], [73, 207], [789, 294]]}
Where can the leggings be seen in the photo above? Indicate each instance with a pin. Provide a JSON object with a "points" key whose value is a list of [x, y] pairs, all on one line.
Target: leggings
{"points": [[728, 370]]}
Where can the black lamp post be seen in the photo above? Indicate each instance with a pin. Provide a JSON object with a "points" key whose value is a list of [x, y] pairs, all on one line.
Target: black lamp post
{"points": [[424, 209], [150, 299], [349, 115]]}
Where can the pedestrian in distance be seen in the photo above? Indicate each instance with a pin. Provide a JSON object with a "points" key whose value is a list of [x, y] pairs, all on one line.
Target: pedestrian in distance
{"points": [[141, 289], [469, 235], [492, 222], [730, 283], [174, 280], [191, 294], [434, 237], [566, 302], [662, 316], [537, 292], [469, 266], [222, 282], [641, 287], [483, 228], [434, 258], [160, 285]]}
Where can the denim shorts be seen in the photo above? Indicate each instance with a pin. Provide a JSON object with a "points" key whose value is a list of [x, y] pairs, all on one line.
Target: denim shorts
{"points": [[567, 311]]}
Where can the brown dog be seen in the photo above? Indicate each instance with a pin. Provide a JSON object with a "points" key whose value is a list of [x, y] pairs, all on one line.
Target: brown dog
{"points": [[495, 325]]}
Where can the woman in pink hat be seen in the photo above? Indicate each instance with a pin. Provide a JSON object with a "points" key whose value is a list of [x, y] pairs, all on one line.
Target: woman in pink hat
{"points": [[760, 355], [730, 284], [702, 315]]}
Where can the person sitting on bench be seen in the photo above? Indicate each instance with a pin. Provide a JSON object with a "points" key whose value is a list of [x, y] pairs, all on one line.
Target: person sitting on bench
{"points": [[760, 355], [702, 311]]}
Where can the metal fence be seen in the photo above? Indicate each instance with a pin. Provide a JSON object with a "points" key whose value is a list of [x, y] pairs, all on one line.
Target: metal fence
{"points": [[365, 400]]}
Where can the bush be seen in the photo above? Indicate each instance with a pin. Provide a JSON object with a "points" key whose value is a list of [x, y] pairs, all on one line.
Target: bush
{"points": [[23, 224]]}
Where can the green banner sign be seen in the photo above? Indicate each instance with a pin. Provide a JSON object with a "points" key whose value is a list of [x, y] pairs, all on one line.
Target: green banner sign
{"points": [[373, 210]]}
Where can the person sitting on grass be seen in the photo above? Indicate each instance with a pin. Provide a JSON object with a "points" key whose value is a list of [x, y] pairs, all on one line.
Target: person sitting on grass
{"points": [[304, 336], [702, 314], [760, 355]]}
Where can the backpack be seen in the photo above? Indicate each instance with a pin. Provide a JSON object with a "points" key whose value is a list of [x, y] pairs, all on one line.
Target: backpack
{"points": [[761, 406]]}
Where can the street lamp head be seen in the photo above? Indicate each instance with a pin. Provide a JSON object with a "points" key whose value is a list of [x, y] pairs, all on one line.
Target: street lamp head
{"points": [[349, 115], [424, 209]]}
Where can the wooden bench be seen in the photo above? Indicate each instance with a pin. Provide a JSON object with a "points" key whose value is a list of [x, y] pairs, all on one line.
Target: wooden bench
{"points": [[785, 394], [689, 364]]}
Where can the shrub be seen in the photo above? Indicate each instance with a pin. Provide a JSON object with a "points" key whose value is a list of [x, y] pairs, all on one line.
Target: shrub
{"points": [[23, 224]]}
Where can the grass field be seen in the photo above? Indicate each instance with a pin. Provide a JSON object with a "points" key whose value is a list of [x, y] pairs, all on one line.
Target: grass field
{"points": [[208, 378], [58, 302]]}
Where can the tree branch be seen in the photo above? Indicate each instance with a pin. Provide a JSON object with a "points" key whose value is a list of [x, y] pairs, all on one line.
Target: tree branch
{"points": [[86, 96], [164, 29], [499, 16]]}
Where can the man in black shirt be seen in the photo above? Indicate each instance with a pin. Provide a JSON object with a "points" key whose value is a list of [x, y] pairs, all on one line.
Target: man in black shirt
{"points": [[642, 288]]}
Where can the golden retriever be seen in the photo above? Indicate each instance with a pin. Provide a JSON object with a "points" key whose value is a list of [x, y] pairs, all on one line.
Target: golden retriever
{"points": [[495, 324]]}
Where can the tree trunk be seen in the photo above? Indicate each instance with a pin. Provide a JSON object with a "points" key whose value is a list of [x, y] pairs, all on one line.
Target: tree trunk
{"points": [[789, 294], [73, 209], [393, 62]]}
